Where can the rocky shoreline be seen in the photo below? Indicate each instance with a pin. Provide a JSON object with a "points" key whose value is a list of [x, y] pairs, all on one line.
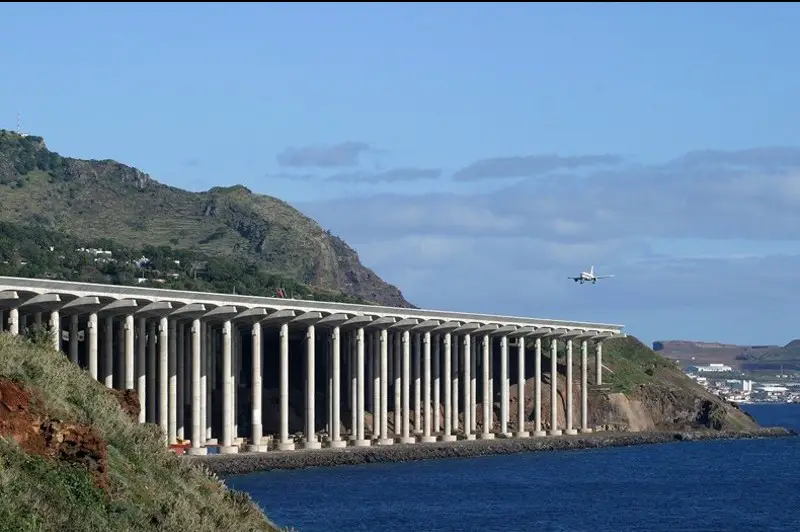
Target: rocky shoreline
{"points": [[233, 464]]}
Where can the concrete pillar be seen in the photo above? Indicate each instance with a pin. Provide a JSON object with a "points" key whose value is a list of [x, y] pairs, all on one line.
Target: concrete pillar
{"points": [[437, 385], [473, 386], [426, 389], [521, 432], [568, 391], [13, 321], [416, 357], [151, 372], [336, 435], [311, 432], [119, 362], [187, 368], [468, 365], [227, 390], [537, 407], [91, 329], [384, 384], [599, 362], [2, 321], [236, 364], [448, 435], [457, 364], [504, 385], [73, 338], [285, 444], [486, 433], [180, 370], [329, 388], [172, 417], [352, 360], [55, 326], [108, 355], [584, 388], [398, 384], [256, 389], [196, 449], [377, 414], [554, 430], [406, 339], [141, 368], [163, 376], [361, 441]]}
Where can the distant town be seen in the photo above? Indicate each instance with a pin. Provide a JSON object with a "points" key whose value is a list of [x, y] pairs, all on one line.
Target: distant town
{"points": [[717, 379]]}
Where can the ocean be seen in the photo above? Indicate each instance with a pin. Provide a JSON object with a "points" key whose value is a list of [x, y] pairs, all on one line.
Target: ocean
{"points": [[686, 486]]}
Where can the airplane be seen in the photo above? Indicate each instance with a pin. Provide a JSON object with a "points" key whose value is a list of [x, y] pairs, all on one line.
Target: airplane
{"points": [[589, 277]]}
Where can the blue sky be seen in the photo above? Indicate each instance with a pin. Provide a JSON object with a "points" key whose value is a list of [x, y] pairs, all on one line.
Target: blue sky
{"points": [[475, 155]]}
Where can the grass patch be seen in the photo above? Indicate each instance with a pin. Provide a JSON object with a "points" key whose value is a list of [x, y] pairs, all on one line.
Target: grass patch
{"points": [[631, 362], [149, 487]]}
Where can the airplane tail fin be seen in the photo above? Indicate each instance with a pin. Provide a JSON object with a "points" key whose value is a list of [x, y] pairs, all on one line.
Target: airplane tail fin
{"points": [[591, 270]]}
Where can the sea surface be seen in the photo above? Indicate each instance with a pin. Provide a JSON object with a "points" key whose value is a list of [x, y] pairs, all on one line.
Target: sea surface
{"points": [[725, 486]]}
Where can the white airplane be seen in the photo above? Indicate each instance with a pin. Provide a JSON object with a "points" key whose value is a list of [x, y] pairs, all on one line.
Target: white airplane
{"points": [[589, 276]]}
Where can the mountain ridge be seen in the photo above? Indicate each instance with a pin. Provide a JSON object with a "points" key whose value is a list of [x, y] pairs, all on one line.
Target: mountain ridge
{"points": [[91, 200]]}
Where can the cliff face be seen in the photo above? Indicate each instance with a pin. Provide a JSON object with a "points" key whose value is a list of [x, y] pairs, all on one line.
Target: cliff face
{"points": [[107, 200]]}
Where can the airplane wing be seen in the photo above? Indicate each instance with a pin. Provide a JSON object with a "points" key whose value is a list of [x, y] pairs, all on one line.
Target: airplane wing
{"points": [[604, 276], [574, 278]]}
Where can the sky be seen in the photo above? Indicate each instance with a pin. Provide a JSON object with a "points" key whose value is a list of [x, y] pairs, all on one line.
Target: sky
{"points": [[475, 155]]}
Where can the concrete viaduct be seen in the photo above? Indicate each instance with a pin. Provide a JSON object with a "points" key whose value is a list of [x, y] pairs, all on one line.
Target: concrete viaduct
{"points": [[201, 362]]}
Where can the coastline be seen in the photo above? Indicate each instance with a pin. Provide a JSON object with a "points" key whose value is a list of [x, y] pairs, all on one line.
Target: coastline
{"points": [[235, 464]]}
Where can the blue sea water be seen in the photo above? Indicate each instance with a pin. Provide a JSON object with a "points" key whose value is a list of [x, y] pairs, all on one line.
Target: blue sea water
{"points": [[688, 486]]}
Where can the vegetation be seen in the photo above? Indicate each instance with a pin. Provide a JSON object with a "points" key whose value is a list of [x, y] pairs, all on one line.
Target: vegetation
{"points": [[632, 363], [148, 487], [38, 253], [244, 241]]}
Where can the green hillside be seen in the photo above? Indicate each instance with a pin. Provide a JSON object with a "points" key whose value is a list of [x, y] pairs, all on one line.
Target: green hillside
{"points": [[72, 459], [105, 201]]}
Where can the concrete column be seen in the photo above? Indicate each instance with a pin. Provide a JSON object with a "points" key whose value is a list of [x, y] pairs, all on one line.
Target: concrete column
{"points": [[208, 354], [180, 370], [361, 441], [384, 384], [584, 388], [456, 361], [172, 418], [196, 422], [257, 376], [151, 372], [504, 386], [141, 368], [73, 338], [352, 361], [119, 363], [416, 357], [598, 361], [486, 433], [568, 391], [521, 432], [407, 438], [336, 435], [377, 414], [163, 376], [236, 361], [128, 352], [91, 329], [285, 444], [426, 389], [55, 325], [13, 321], [329, 388], [187, 376], [554, 430], [468, 365], [398, 386], [437, 386], [108, 355], [537, 407], [448, 435], [227, 390], [311, 432], [473, 387], [2, 321]]}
